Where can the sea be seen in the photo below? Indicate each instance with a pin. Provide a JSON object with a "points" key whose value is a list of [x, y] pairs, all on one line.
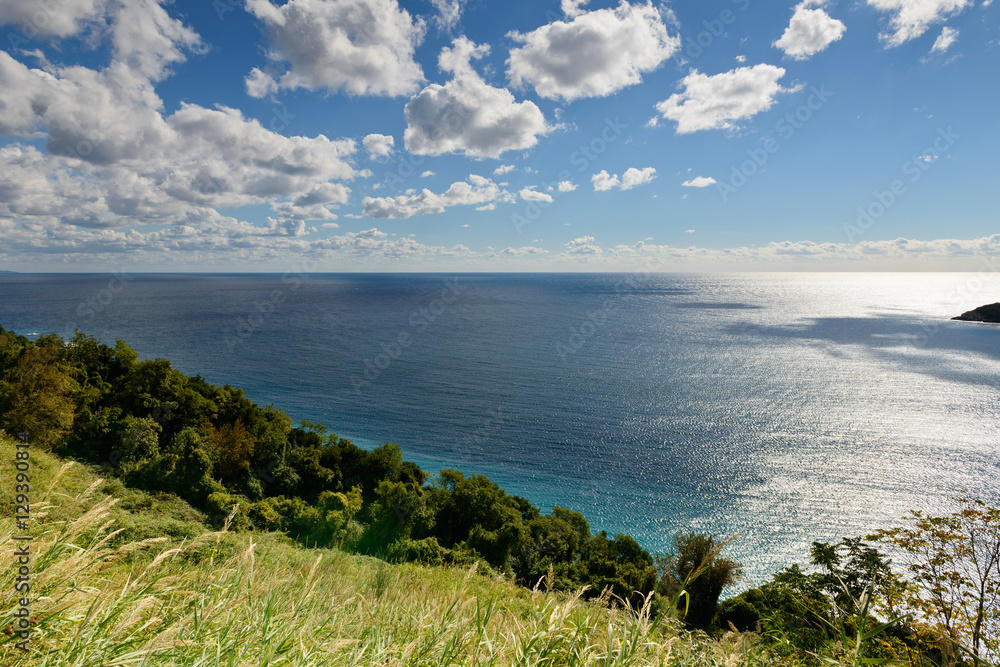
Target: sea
{"points": [[774, 408]]}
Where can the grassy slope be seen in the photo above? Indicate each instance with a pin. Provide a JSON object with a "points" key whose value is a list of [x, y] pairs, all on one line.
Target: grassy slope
{"points": [[164, 591]]}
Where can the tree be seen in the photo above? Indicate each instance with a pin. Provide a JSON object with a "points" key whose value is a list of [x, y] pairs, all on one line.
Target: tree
{"points": [[233, 448], [955, 562], [140, 439], [695, 574], [620, 565], [35, 397]]}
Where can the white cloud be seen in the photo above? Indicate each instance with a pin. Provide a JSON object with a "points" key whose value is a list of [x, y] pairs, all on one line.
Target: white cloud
{"points": [[584, 246], [689, 231], [944, 41], [449, 12], [427, 174], [592, 55], [486, 207], [567, 186], [523, 251], [260, 84], [112, 159], [503, 169], [603, 181], [635, 177], [148, 41], [361, 47], [699, 182], [741, 59], [56, 19], [901, 252], [474, 190], [809, 31], [912, 18], [530, 194], [715, 102], [631, 178], [374, 244], [378, 145], [571, 8], [467, 115]]}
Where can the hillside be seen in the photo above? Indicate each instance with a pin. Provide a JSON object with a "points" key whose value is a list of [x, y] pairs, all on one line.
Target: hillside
{"points": [[165, 591], [987, 313]]}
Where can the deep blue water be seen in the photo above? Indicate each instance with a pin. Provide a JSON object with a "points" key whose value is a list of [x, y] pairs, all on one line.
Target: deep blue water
{"points": [[782, 407]]}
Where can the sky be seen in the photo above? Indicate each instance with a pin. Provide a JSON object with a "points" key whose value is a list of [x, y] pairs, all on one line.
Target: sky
{"points": [[525, 135]]}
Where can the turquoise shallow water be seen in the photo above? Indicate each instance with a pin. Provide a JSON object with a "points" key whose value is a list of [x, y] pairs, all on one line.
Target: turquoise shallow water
{"points": [[782, 407]]}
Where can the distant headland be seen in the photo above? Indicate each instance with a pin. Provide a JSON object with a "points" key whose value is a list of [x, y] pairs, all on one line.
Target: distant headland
{"points": [[989, 313]]}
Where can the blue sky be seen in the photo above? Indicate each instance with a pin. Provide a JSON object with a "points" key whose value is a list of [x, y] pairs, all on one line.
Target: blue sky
{"points": [[355, 135]]}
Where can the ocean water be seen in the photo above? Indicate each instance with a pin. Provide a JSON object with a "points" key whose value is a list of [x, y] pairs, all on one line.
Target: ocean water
{"points": [[783, 408]]}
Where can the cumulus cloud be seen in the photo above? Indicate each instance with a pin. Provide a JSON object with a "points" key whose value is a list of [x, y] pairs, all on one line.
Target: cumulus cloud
{"points": [[530, 194], [572, 8], [59, 19], [361, 47], [699, 182], [566, 186], [260, 84], [467, 115], [449, 12], [523, 251], [474, 190], [378, 145], [632, 178], [503, 169], [944, 41], [912, 18], [809, 31], [148, 41], [893, 252], [427, 174], [716, 102], [113, 159], [583, 246], [604, 181], [594, 54]]}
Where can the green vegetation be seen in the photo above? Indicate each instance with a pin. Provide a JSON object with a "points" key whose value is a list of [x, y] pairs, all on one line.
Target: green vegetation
{"points": [[204, 539], [216, 597]]}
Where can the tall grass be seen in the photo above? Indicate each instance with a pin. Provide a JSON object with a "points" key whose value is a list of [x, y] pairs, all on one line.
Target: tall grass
{"points": [[256, 599]]}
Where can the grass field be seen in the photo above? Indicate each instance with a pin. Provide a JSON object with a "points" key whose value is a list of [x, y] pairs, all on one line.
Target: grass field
{"points": [[119, 577]]}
